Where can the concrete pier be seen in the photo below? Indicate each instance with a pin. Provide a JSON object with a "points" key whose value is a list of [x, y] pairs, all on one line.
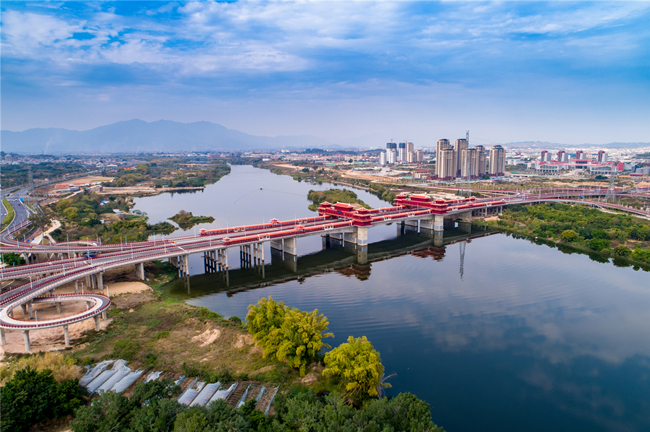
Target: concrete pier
{"points": [[96, 317], [3, 340], [290, 246], [28, 346], [66, 334]]}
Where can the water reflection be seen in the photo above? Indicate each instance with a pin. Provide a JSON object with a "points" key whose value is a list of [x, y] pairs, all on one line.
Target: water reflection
{"points": [[498, 333]]}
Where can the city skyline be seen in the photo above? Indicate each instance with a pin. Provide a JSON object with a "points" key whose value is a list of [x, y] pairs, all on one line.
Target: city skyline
{"points": [[555, 72]]}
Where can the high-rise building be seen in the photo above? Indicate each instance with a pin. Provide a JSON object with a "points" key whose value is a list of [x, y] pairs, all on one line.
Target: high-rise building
{"points": [[560, 155], [446, 163], [419, 156], [442, 144], [401, 152], [469, 164], [382, 158], [461, 144], [391, 157], [410, 147], [482, 160], [497, 160], [410, 157]]}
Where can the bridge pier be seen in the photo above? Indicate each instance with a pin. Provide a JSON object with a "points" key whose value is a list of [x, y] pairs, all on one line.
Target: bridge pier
{"points": [[58, 307], [449, 224], [139, 271], [96, 317], [3, 340], [24, 308], [100, 280], [28, 347], [245, 256], [66, 334], [290, 246], [30, 310]]}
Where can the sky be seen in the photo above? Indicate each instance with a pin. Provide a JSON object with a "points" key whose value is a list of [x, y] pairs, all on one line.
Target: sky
{"points": [[348, 71]]}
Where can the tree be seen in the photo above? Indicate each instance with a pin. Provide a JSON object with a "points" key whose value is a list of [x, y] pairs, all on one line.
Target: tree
{"points": [[358, 365], [287, 334], [569, 235], [12, 259], [33, 396], [264, 318], [598, 244], [300, 338], [622, 251], [40, 219], [71, 213]]}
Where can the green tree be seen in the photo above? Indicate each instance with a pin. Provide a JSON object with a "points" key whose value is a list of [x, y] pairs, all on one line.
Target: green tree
{"points": [[33, 396], [264, 318], [358, 365], [287, 334], [41, 219], [12, 259], [622, 251], [569, 235], [300, 338], [598, 244], [71, 213]]}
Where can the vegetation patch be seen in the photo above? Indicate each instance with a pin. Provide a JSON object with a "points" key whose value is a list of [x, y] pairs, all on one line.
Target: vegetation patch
{"points": [[620, 236], [10, 213], [187, 220], [333, 196]]}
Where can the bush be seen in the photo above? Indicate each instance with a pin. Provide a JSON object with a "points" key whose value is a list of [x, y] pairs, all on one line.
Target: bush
{"points": [[569, 236], [598, 244], [33, 396], [358, 365], [622, 251]]}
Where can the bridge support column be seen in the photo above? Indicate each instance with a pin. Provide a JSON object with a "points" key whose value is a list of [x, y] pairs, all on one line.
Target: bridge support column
{"points": [[276, 244], [76, 287], [104, 315], [290, 246], [362, 255], [362, 235], [438, 223], [58, 307], [291, 262], [400, 228], [24, 308], [66, 334], [3, 340], [139, 271], [96, 322], [30, 310], [100, 281], [28, 347]]}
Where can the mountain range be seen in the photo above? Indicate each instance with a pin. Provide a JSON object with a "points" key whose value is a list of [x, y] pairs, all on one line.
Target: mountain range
{"points": [[141, 137], [138, 136]]}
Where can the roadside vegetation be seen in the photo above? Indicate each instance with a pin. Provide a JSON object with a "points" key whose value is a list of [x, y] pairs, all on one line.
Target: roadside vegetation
{"points": [[10, 213], [12, 259], [619, 236], [333, 196], [187, 220]]}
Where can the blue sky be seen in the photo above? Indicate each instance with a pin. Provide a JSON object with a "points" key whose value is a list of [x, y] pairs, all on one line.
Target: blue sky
{"points": [[351, 72]]}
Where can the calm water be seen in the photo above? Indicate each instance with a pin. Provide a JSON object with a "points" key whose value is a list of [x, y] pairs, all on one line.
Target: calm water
{"points": [[520, 337]]}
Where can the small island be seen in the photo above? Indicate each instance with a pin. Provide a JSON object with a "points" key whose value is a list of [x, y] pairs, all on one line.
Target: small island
{"points": [[187, 220], [334, 196]]}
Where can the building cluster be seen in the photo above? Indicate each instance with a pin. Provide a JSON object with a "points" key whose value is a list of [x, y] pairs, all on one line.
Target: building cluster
{"points": [[595, 163], [460, 160], [403, 152]]}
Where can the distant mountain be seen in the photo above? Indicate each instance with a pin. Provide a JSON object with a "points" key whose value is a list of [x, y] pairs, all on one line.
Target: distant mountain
{"points": [[141, 137]]}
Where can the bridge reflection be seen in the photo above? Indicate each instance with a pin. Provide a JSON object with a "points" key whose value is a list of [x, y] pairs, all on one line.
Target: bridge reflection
{"points": [[336, 256]]}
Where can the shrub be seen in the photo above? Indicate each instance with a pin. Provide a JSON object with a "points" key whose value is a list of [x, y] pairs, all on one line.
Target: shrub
{"points": [[33, 396], [569, 236]]}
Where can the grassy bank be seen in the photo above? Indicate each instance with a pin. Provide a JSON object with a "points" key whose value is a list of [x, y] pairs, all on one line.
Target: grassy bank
{"points": [[10, 213]]}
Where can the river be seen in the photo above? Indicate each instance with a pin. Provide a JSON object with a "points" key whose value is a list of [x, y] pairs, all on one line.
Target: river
{"points": [[496, 334]]}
